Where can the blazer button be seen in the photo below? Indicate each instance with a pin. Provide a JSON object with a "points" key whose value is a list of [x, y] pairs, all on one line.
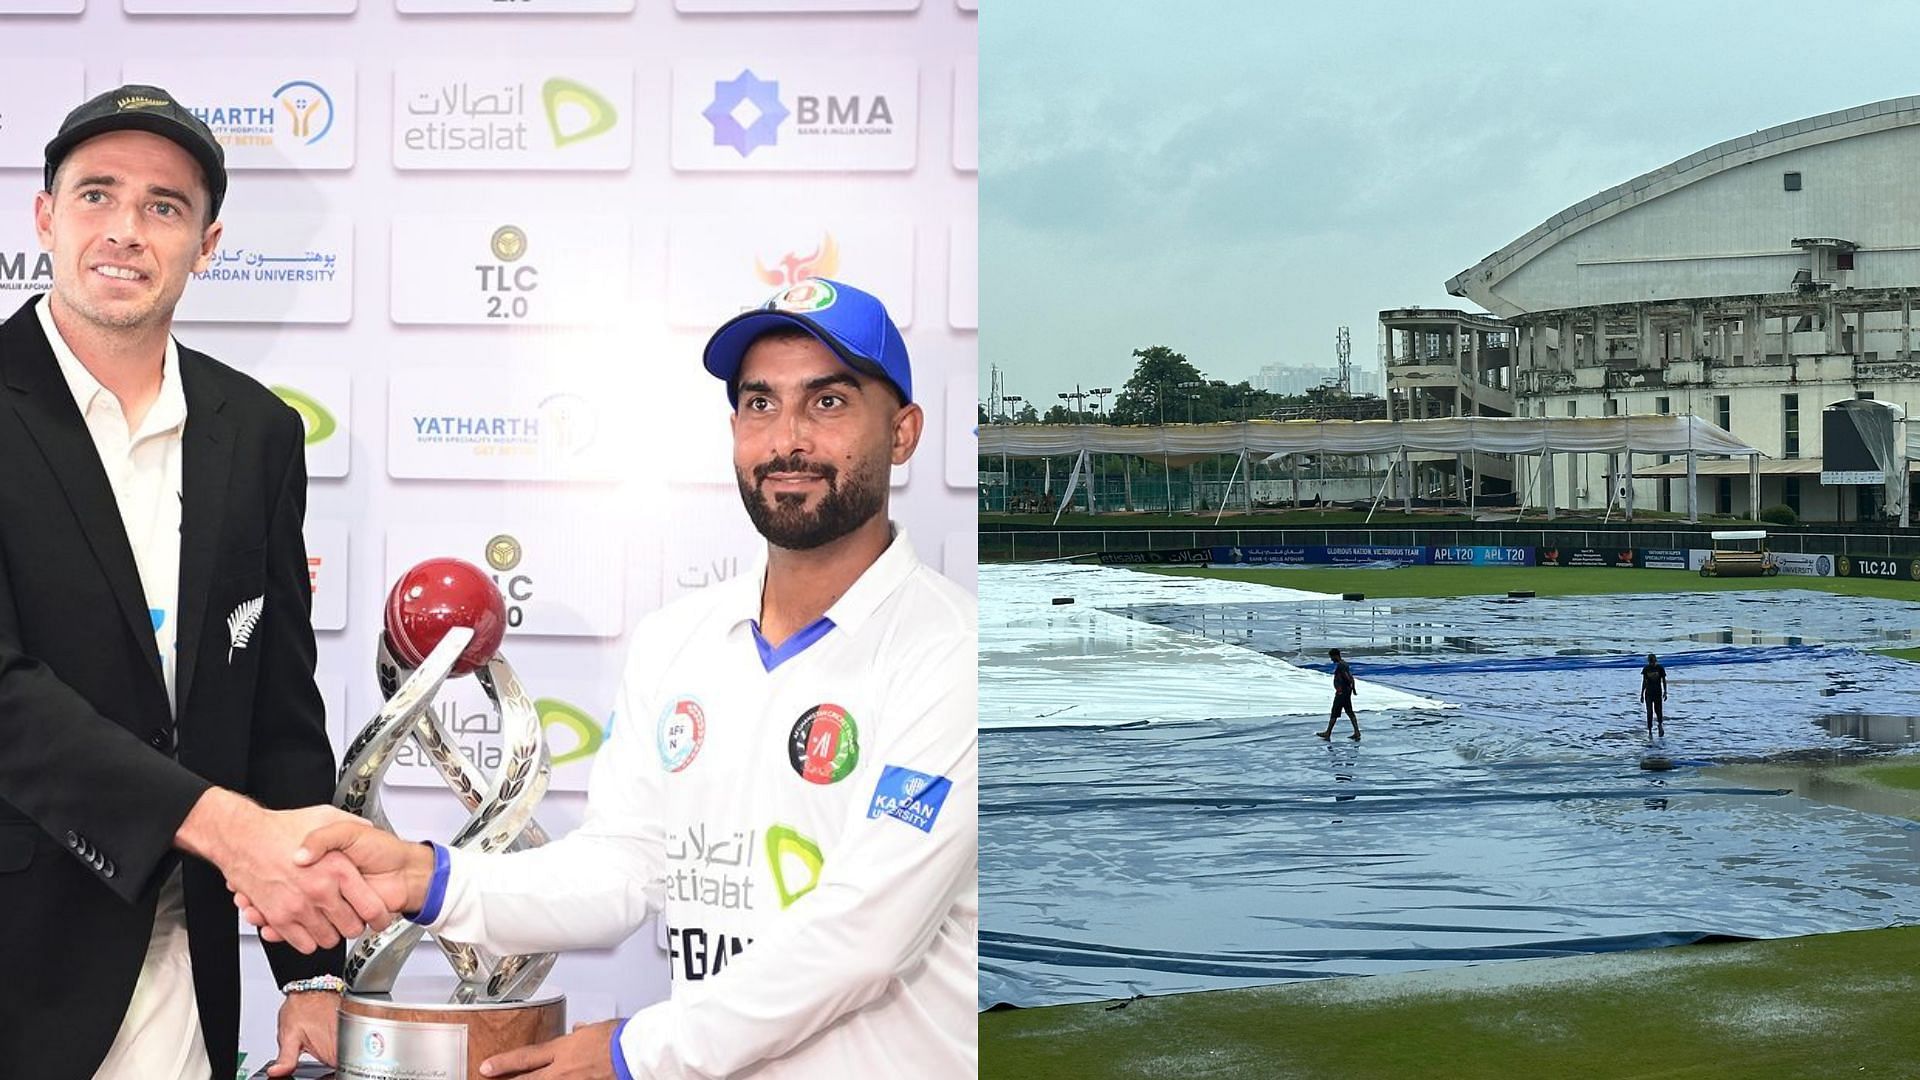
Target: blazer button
{"points": [[108, 869], [161, 739], [73, 839]]}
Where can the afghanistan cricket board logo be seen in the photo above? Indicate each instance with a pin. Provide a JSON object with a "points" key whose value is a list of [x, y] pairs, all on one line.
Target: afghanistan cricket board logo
{"points": [[824, 746], [682, 731]]}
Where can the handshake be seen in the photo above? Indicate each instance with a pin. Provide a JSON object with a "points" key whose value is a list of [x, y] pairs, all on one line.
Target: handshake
{"points": [[309, 877]]}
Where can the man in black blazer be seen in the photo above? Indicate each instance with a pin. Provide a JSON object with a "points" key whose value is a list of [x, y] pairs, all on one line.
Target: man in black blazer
{"points": [[156, 648]]}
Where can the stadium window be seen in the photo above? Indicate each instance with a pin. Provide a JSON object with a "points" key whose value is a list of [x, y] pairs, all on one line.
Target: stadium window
{"points": [[1791, 494], [1723, 498], [1723, 411], [1843, 260], [1663, 406], [1792, 181], [1863, 395], [1573, 408], [1790, 427], [1613, 407]]}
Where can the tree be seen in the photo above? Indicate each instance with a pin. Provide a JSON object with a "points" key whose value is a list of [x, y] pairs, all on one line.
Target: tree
{"points": [[1026, 415], [1160, 371], [1059, 414]]}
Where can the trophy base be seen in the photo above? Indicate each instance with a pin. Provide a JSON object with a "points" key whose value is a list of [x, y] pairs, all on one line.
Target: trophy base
{"points": [[414, 1034]]}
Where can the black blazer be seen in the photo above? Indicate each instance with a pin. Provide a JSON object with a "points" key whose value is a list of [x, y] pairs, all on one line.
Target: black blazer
{"points": [[91, 790]]}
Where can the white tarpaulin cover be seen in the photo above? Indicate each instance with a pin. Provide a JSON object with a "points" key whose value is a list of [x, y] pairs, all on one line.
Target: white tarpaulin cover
{"points": [[1488, 434], [1086, 664]]}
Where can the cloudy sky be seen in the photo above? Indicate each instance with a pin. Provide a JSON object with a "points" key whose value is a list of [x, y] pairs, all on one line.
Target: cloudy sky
{"points": [[1238, 182]]}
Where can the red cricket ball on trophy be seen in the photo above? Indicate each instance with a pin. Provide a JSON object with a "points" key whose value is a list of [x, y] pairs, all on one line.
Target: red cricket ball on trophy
{"points": [[434, 597]]}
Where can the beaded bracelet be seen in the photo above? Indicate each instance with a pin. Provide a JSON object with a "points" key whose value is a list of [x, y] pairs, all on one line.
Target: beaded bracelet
{"points": [[332, 984]]}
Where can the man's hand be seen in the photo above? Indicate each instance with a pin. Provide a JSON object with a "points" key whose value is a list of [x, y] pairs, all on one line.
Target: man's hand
{"points": [[397, 871], [308, 1021], [585, 1054], [311, 907]]}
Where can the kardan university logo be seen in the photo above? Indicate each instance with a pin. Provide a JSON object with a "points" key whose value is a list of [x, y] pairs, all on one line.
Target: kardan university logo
{"points": [[746, 113]]}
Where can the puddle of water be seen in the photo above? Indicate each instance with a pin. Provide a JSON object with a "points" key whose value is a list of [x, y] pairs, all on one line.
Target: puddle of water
{"points": [[1873, 727]]}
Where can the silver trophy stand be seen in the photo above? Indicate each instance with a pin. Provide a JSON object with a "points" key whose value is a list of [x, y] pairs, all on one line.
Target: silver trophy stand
{"points": [[443, 1029]]}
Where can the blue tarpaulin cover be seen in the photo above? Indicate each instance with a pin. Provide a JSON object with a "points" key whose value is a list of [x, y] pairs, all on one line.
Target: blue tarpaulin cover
{"points": [[1199, 837]]}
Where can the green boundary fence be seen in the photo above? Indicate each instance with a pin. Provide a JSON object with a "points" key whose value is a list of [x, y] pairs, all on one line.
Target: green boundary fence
{"points": [[1034, 545]]}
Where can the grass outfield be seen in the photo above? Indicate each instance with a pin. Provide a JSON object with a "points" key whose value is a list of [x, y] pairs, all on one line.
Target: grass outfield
{"points": [[1904, 775], [1543, 580], [1835, 1005]]}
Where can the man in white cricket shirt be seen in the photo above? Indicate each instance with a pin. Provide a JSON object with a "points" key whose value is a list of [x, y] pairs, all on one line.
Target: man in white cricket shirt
{"points": [[791, 782]]}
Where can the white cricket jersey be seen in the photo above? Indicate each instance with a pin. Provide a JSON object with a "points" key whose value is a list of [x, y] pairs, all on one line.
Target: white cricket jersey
{"points": [[159, 1038], [805, 817]]}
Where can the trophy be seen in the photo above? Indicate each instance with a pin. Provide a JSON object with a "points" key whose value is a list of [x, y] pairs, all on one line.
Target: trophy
{"points": [[445, 619]]}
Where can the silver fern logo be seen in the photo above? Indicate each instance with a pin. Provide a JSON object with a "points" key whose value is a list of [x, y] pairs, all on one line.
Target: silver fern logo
{"points": [[240, 624]]}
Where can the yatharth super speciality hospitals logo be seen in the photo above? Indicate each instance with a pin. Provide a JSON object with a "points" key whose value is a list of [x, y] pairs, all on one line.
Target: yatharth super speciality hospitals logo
{"points": [[746, 112], [319, 423], [299, 112], [560, 425]]}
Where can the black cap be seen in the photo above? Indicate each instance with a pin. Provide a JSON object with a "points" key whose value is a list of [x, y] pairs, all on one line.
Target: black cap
{"points": [[143, 108]]}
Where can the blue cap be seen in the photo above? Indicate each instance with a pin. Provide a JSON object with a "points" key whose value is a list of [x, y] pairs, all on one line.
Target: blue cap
{"points": [[854, 324]]}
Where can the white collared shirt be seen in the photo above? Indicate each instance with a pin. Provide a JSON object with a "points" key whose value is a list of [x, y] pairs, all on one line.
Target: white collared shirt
{"points": [[808, 832], [143, 468], [160, 1037]]}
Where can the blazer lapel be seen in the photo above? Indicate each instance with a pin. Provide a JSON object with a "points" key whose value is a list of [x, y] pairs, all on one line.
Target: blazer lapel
{"points": [[45, 404], [206, 464]]}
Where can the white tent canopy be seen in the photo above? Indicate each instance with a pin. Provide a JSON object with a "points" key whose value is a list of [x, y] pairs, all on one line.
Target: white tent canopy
{"points": [[1688, 436], [1452, 435]]}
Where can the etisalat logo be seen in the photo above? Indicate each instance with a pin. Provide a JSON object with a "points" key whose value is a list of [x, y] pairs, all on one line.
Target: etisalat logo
{"points": [[314, 417], [477, 734], [792, 268], [301, 109], [460, 116]]}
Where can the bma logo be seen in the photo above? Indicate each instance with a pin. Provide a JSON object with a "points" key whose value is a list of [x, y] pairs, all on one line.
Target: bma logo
{"points": [[503, 285], [850, 115], [17, 274], [793, 268], [746, 112]]}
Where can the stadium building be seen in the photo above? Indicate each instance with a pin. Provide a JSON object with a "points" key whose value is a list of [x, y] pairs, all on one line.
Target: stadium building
{"points": [[1754, 283]]}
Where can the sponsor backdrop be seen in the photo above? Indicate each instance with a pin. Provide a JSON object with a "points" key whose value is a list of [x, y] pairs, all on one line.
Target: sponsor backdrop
{"points": [[478, 246]]}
